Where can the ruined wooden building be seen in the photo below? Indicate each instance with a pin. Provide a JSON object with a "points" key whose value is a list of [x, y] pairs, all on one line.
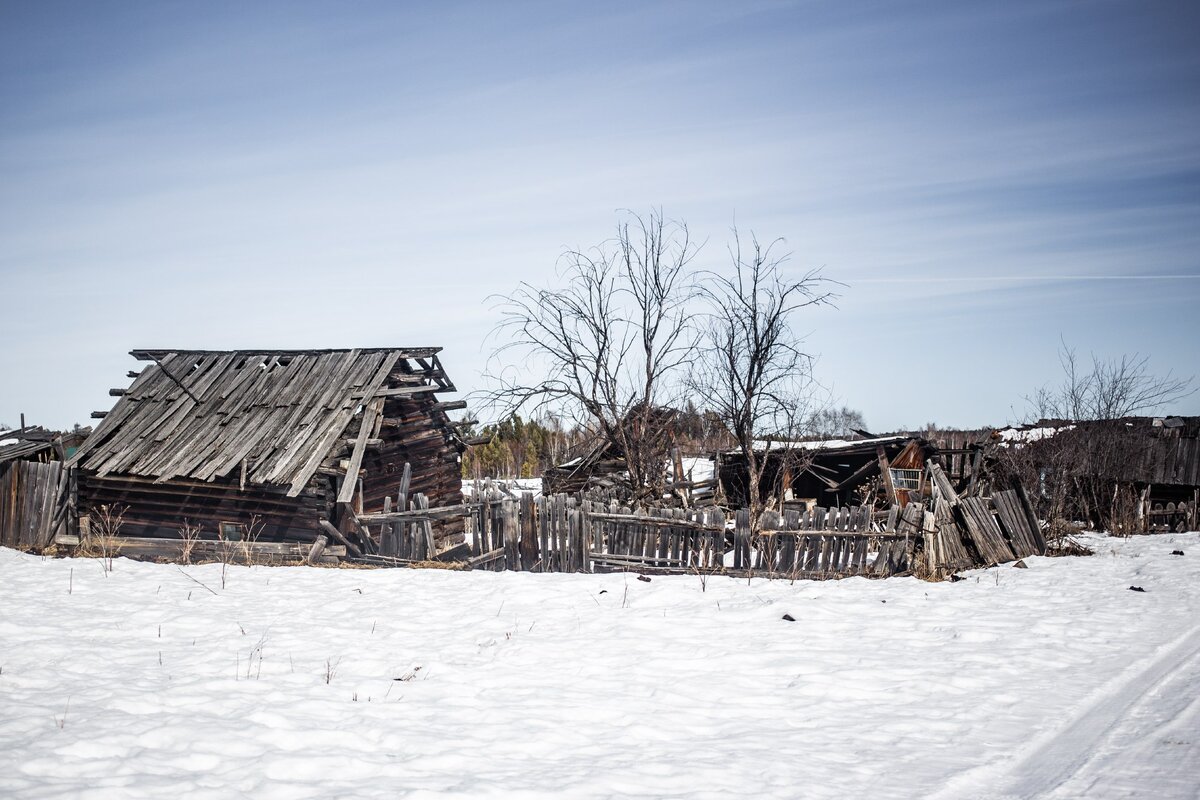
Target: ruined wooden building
{"points": [[876, 471], [34, 484], [284, 446], [597, 465], [1102, 471]]}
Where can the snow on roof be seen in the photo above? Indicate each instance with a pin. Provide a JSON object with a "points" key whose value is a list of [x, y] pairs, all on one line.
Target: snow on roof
{"points": [[1019, 436], [824, 444]]}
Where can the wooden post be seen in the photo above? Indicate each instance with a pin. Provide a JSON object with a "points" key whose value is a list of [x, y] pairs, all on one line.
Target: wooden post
{"points": [[317, 548], [1143, 515], [529, 543], [886, 472], [387, 533], [426, 528], [510, 518], [677, 465], [741, 539], [543, 532]]}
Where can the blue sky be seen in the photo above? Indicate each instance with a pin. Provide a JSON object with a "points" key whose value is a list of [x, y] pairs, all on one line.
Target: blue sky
{"points": [[984, 177]]}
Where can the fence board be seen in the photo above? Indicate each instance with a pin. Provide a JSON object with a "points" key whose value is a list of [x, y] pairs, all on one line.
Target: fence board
{"points": [[33, 503]]}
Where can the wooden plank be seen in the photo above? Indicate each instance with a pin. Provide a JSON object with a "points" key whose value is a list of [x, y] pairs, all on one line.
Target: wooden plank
{"points": [[886, 473], [1013, 523], [399, 391], [371, 412], [489, 557], [425, 527], [1035, 527], [529, 542]]}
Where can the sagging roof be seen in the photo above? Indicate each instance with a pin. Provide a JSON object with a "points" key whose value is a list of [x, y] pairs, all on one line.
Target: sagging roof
{"points": [[203, 414], [25, 443]]}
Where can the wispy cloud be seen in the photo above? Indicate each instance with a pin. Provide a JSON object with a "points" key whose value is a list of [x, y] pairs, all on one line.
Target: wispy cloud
{"points": [[982, 178]]}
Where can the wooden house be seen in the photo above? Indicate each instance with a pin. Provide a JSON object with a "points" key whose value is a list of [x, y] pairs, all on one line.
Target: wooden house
{"points": [[270, 445]]}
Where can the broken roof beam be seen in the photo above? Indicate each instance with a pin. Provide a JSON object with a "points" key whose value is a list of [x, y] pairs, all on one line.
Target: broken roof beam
{"points": [[860, 474]]}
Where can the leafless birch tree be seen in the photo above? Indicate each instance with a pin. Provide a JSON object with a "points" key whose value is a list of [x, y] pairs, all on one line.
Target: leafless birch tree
{"points": [[751, 368], [609, 346]]}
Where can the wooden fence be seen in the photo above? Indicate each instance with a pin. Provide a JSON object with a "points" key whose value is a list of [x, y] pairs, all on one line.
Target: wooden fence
{"points": [[33, 503], [560, 533]]}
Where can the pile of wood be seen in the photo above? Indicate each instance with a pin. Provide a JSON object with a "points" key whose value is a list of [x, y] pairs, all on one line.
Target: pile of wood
{"points": [[961, 532]]}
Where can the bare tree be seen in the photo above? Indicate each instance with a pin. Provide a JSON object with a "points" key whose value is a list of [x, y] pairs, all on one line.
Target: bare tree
{"points": [[1109, 389], [751, 369], [608, 348], [830, 422]]}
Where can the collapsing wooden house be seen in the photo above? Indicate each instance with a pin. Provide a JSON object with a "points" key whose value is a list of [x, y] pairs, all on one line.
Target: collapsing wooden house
{"points": [[876, 471], [599, 465], [1104, 470], [274, 446]]}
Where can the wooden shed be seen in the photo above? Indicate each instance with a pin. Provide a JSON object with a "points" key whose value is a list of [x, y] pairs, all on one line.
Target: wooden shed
{"points": [[33, 485], [272, 445]]}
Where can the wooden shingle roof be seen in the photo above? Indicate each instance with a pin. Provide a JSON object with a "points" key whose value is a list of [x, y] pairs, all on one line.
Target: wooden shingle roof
{"points": [[203, 414]]}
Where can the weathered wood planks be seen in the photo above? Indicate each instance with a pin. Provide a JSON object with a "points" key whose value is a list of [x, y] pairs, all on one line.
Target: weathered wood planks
{"points": [[33, 503]]}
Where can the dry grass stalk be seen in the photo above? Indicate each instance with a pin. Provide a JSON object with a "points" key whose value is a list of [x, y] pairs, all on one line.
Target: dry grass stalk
{"points": [[189, 535], [103, 535]]}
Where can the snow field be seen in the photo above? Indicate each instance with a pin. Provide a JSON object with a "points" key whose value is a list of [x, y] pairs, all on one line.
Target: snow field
{"points": [[298, 682]]}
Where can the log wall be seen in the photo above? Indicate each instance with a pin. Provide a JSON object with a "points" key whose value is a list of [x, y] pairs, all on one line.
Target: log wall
{"points": [[160, 510]]}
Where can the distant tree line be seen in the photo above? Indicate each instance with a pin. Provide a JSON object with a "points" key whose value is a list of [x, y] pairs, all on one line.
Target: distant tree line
{"points": [[519, 448]]}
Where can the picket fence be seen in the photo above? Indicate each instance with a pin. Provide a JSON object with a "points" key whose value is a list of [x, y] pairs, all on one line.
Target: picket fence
{"points": [[561, 533]]}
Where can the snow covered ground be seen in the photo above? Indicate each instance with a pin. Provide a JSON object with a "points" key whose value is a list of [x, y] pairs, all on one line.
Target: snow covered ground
{"points": [[1053, 681]]}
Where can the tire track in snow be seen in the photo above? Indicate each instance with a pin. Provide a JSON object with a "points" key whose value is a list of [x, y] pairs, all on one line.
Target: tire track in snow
{"points": [[1157, 745], [1058, 757]]}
